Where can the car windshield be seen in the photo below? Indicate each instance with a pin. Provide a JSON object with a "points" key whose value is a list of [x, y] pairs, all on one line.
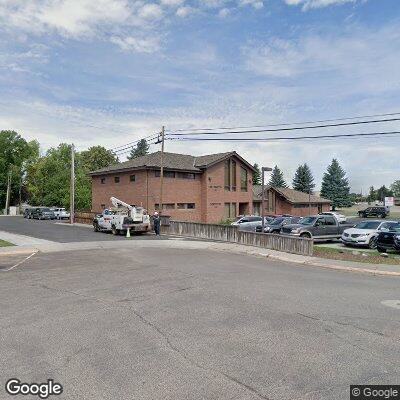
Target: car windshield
{"points": [[277, 221], [395, 227], [307, 220], [368, 225], [45, 209]]}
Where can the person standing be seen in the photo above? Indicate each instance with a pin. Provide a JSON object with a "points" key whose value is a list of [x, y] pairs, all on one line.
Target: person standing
{"points": [[157, 223]]}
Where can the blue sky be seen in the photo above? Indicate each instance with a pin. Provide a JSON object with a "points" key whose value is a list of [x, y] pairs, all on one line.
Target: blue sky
{"points": [[111, 71]]}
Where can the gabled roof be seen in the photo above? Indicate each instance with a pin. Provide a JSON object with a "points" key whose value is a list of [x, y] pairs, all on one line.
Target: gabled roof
{"points": [[291, 195], [172, 161]]}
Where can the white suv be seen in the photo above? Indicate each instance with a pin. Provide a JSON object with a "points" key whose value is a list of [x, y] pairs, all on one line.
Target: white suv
{"points": [[61, 213], [365, 233]]}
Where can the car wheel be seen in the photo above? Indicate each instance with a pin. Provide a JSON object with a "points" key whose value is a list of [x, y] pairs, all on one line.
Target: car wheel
{"points": [[305, 235], [381, 249], [372, 243]]}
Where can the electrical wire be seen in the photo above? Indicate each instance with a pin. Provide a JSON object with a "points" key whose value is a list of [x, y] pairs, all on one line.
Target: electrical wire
{"points": [[287, 138], [289, 129], [130, 144], [284, 124]]}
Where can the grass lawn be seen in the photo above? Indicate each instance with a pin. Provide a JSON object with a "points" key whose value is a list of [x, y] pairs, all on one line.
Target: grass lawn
{"points": [[3, 243], [353, 211], [356, 255]]}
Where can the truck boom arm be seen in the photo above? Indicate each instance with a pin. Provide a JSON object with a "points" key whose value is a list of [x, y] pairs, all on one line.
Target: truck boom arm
{"points": [[119, 203]]}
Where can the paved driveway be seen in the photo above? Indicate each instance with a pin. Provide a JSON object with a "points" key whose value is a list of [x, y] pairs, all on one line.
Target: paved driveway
{"points": [[179, 324], [51, 230]]}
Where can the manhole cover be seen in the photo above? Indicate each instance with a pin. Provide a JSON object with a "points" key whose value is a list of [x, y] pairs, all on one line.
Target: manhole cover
{"points": [[392, 303]]}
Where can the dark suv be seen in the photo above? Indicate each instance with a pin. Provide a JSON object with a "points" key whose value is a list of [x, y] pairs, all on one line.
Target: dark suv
{"points": [[389, 239], [377, 211], [43, 213]]}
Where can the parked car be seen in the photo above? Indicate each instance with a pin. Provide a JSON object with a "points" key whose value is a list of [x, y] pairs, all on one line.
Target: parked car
{"points": [[276, 225], [382, 212], [42, 213], [247, 218], [365, 233], [254, 225], [320, 227], [340, 217], [28, 212], [60, 213], [389, 239]]}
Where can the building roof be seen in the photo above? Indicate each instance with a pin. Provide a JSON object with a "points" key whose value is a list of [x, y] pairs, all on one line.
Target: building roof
{"points": [[291, 195], [172, 161]]}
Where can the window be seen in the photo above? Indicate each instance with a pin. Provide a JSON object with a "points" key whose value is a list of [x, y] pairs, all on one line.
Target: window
{"points": [[103, 181], [227, 176], [165, 206], [186, 175], [330, 220], [243, 179], [167, 174], [132, 178], [230, 210], [233, 210], [186, 206], [233, 175], [116, 179]]}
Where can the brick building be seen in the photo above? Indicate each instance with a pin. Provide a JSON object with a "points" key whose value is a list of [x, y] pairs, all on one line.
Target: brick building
{"points": [[288, 201], [208, 188]]}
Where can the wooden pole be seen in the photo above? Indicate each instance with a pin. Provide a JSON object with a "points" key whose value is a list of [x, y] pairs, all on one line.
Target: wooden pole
{"points": [[72, 185], [162, 169]]}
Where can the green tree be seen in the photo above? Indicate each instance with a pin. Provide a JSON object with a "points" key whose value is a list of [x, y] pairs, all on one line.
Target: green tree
{"points": [[303, 179], [257, 175], [14, 152], [277, 179], [97, 157], [141, 149], [383, 192], [395, 188], [335, 186], [372, 195]]}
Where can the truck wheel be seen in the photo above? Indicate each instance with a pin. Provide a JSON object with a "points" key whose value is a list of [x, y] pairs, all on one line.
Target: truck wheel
{"points": [[96, 227], [305, 235], [114, 230], [381, 249]]}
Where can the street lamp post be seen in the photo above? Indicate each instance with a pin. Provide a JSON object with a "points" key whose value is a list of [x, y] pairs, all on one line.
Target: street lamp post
{"points": [[263, 170]]}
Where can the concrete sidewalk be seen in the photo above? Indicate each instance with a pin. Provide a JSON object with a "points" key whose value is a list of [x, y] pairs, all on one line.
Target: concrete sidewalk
{"points": [[180, 243]]}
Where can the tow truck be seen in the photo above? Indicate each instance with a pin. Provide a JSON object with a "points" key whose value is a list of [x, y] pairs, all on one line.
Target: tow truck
{"points": [[121, 217]]}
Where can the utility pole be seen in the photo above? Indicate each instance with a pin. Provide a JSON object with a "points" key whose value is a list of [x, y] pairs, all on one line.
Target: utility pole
{"points": [[8, 195], [162, 169], [263, 170], [72, 185]]}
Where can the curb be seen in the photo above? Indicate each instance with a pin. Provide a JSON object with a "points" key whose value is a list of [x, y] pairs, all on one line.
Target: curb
{"points": [[17, 251]]}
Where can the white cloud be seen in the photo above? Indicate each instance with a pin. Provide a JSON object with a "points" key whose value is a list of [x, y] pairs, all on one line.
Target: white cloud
{"points": [[172, 3], [257, 4], [150, 12], [185, 11], [224, 12], [140, 45], [308, 4]]}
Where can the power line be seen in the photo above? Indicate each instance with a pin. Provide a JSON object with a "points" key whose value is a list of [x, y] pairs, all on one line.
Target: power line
{"points": [[284, 124], [130, 144], [129, 148], [287, 138], [289, 129]]}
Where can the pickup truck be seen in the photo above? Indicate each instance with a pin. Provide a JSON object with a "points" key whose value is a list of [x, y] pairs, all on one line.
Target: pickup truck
{"points": [[320, 227]]}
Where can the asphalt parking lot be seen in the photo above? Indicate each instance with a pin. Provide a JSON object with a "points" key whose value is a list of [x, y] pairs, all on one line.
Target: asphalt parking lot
{"points": [[195, 324], [52, 230]]}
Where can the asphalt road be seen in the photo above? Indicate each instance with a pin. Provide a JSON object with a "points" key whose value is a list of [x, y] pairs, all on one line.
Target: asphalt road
{"points": [[180, 324], [51, 230]]}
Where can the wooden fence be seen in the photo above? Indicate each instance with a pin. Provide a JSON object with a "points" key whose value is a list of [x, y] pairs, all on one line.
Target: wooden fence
{"points": [[289, 244], [85, 217]]}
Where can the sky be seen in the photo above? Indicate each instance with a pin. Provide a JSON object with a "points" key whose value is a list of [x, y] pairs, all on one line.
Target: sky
{"points": [[107, 72]]}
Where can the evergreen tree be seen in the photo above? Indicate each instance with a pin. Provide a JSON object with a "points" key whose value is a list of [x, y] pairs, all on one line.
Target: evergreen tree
{"points": [[335, 186], [277, 179], [256, 175], [372, 195], [303, 180], [383, 192], [141, 149]]}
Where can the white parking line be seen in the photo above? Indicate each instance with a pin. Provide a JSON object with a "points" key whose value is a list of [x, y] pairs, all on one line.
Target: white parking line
{"points": [[19, 263]]}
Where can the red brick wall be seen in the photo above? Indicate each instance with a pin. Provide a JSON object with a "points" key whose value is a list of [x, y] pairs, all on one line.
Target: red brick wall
{"points": [[284, 207], [207, 191]]}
